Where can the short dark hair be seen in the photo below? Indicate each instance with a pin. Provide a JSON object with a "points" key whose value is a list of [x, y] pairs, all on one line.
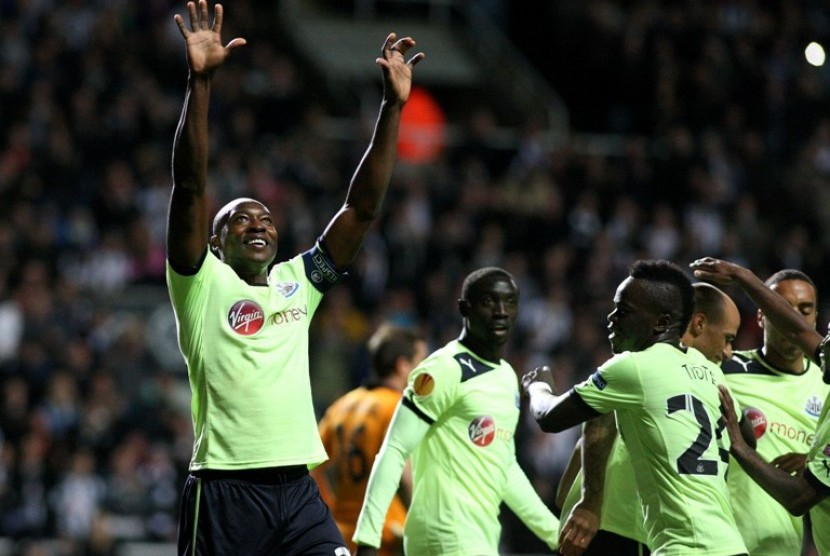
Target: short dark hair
{"points": [[709, 300], [475, 277], [388, 343], [661, 271], [790, 274]]}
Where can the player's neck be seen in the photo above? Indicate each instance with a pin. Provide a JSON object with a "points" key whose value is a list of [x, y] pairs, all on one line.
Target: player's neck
{"points": [[789, 366], [484, 350]]}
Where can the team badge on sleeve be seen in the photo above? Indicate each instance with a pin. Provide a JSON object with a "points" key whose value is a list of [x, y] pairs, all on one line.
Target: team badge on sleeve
{"points": [[423, 385], [827, 450], [598, 381]]}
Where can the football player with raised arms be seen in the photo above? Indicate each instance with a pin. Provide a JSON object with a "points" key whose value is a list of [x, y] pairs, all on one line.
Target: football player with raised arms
{"points": [[243, 324]]}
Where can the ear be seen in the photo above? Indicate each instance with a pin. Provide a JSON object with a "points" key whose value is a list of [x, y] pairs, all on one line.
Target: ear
{"points": [[663, 323], [696, 324], [214, 244], [760, 317], [463, 307]]}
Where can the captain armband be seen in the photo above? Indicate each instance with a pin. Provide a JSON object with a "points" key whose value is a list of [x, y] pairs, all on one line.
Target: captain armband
{"points": [[320, 269]]}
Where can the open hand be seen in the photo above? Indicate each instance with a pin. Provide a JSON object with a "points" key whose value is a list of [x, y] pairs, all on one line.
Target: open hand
{"points": [[715, 270], [204, 41], [397, 71], [727, 409]]}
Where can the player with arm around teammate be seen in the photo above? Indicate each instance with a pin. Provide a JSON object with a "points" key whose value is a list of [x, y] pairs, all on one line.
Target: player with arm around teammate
{"points": [[666, 400], [781, 385], [243, 324], [457, 421], [602, 504]]}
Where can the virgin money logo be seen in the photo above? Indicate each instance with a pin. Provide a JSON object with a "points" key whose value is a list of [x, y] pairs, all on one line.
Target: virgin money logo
{"points": [[758, 421], [246, 317], [482, 430]]}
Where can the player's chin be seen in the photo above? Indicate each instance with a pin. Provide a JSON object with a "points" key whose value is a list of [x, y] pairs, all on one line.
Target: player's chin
{"points": [[616, 343], [500, 334]]}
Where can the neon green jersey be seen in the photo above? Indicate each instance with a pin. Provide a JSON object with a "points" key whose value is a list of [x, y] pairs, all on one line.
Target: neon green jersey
{"points": [[246, 349], [463, 461], [784, 409], [668, 411], [818, 472]]}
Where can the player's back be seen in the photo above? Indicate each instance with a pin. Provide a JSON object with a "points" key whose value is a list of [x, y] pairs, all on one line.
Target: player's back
{"points": [[353, 429], [668, 410]]}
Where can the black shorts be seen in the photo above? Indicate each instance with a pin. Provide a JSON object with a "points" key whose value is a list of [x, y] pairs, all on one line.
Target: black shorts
{"points": [[274, 511], [605, 543]]}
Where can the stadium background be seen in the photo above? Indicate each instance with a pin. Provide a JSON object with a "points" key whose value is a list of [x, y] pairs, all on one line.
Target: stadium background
{"points": [[561, 140]]}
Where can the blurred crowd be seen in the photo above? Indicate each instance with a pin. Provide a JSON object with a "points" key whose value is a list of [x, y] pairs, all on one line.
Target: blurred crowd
{"points": [[724, 150]]}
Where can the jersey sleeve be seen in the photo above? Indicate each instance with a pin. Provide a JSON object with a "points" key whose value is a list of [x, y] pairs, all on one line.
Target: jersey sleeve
{"points": [[616, 384], [524, 501], [432, 388], [404, 434]]}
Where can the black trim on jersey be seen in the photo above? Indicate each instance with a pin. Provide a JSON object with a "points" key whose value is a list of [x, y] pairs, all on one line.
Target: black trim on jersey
{"points": [[320, 269], [574, 394], [470, 366], [188, 270], [821, 488], [417, 411], [756, 365]]}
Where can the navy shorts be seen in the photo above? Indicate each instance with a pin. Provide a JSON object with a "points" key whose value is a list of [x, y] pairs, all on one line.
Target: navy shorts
{"points": [[606, 542], [274, 512]]}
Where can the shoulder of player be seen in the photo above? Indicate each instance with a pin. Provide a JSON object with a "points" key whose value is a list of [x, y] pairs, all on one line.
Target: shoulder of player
{"points": [[744, 362]]}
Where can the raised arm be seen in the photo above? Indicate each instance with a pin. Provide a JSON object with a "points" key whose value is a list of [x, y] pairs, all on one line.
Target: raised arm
{"points": [[187, 219], [774, 307], [347, 230]]}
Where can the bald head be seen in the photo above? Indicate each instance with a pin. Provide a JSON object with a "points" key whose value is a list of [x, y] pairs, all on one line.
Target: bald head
{"points": [[714, 323], [224, 213]]}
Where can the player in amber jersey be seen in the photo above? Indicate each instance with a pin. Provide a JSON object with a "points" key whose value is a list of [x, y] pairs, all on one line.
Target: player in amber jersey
{"points": [[353, 428]]}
